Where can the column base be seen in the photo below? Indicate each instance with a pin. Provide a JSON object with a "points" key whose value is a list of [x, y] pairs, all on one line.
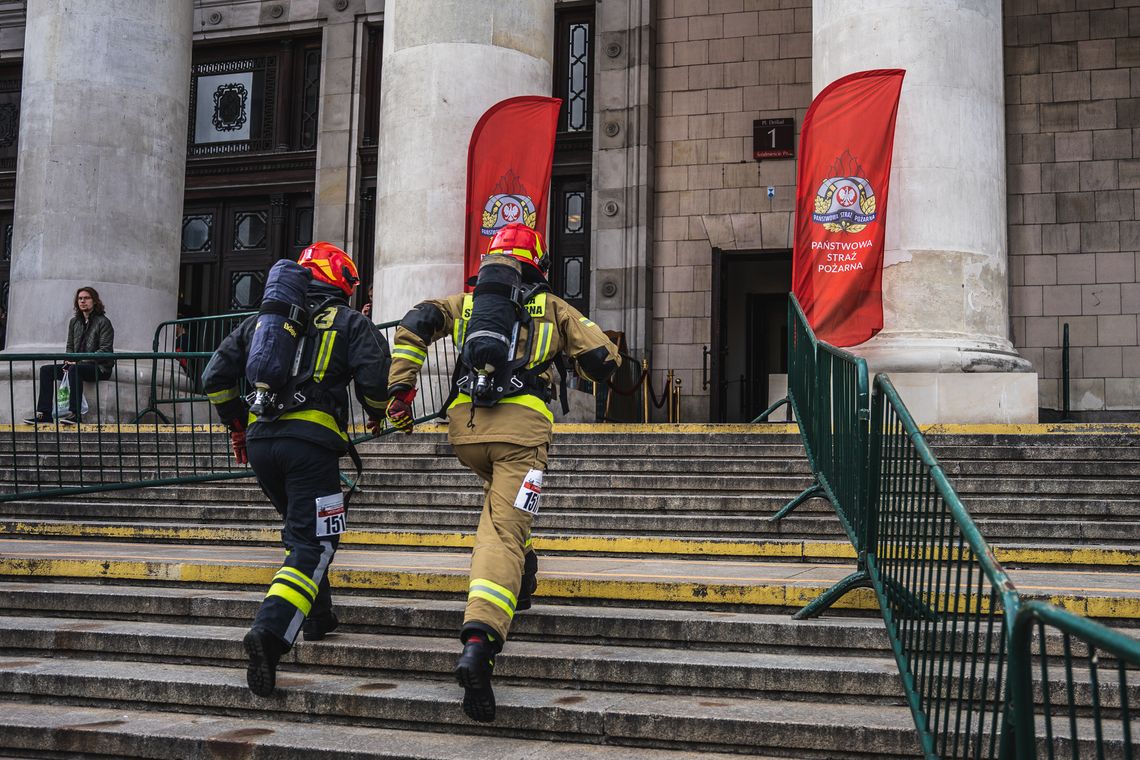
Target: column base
{"points": [[954, 397], [902, 352], [979, 397]]}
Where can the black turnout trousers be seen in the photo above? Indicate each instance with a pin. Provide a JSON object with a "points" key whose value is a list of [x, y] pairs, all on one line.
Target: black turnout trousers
{"points": [[299, 477]]}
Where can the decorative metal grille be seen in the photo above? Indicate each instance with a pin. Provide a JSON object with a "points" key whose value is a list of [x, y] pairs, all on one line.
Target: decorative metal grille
{"points": [[9, 120], [572, 277], [197, 232], [9, 124], [232, 106], [578, 84], [310, 99], [574, 223], [246, 290], [303, 226], [250, 230]]}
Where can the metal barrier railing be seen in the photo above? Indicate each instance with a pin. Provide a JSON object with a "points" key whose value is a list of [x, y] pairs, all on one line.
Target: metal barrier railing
{"points": [[182, 442], [978, 663], [175, 382], [178, 382], [828, 392], [946, 602], [1089, 714]]}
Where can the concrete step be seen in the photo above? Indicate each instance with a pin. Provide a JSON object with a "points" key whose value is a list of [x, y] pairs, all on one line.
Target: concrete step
{"points": [[754, 586], [546, 541], [665, 721], [589, 462], [62, 730], [667, 668], [558, 479], [446, 463], [376, 492], [803, 525], [441, 617]]}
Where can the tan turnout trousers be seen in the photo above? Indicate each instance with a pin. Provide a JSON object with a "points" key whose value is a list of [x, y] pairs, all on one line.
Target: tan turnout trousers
{"points": [[504, 529]]}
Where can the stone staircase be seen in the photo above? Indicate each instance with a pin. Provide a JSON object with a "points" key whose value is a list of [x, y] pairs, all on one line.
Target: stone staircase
{"points": [[662, 626]]}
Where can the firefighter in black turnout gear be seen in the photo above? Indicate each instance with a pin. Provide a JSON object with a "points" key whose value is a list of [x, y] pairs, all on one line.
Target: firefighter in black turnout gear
{"points": [[511, 332], [295, 444]]}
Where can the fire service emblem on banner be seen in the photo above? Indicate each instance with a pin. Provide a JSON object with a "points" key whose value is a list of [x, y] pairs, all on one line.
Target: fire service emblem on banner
{"points": [[508, 204], [845, 201]]}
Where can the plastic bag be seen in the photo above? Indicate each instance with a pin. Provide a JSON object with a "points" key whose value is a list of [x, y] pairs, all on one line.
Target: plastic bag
{"points": [[63, 398]]}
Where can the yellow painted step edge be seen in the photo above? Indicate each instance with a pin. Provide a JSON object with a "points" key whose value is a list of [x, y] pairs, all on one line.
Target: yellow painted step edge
{"points": [[803, 550], [769, 595]]}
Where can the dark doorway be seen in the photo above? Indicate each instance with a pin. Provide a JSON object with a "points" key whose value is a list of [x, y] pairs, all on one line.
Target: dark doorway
{"points": [[750, 330]]}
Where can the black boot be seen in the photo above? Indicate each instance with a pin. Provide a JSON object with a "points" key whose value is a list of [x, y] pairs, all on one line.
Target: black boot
{"points": [[264, 651], [529, 581], [316, 628], [473, 672]]}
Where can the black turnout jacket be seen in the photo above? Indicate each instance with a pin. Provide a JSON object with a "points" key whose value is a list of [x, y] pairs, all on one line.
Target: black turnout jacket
{"points": [[346, 348]]}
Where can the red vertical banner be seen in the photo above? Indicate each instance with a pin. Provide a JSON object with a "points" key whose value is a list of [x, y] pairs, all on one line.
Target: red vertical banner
{"points": [[508, 171], [844, 172]]}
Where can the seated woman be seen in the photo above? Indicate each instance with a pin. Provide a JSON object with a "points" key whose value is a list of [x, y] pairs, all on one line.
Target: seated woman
{"points": [[89, 332]]}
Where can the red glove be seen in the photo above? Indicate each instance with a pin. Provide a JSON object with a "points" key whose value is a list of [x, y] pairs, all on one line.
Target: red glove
{"points": [[400, 414], [374, 426], [237, 440]]}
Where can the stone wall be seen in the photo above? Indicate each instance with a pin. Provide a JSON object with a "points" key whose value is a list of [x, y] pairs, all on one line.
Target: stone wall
{"points": [[1073, 146], [721, 64]]}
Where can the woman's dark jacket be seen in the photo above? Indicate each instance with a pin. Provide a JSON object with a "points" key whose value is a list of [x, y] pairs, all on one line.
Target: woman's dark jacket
{"points": [[95, 336]]}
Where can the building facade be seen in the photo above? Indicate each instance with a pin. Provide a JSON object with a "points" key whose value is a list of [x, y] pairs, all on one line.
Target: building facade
{"points": [[169, 152]]}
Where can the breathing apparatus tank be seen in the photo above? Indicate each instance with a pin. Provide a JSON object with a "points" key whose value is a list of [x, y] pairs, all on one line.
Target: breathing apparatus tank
{"points": [[278, 336], [493, 328]]}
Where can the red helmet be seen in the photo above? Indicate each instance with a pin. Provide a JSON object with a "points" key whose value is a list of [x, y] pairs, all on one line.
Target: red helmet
{"points": [[330, 264], [523, 243]]}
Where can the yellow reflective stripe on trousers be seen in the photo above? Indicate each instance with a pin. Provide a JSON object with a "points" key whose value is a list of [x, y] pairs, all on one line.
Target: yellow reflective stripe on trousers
{"points": [[299, 578], [324, 355], [500, 596], [222, 396], [290, 595], [525, 399], [411, 353], [324, 419]]}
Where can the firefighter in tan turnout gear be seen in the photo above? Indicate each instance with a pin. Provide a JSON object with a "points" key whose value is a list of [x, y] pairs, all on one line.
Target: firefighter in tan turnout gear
{"points": [[510, 331]]}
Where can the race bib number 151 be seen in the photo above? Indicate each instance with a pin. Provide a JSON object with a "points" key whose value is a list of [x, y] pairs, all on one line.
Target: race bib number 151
{"points": [[330, 515], [529, 492]]}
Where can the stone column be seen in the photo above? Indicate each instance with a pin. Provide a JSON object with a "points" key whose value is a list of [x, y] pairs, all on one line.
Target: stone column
{"points": [[334, 200], [101, 168], [945, 287], [445, 63], [622, 211]]}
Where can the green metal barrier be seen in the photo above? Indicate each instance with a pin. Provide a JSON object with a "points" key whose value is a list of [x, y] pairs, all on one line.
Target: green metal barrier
{"points": [[987, 675], [182, 443], [177, 382], [1090, 712], [828, 392], [947, 603]]}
